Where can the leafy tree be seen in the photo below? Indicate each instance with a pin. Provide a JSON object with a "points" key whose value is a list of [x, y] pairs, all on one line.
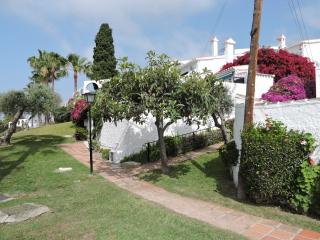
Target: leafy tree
{"points": [[208, 98], [282, 63], [47, 67], [104, 61], [36, 99], [79, 65], [138, 93], [219, 105]]}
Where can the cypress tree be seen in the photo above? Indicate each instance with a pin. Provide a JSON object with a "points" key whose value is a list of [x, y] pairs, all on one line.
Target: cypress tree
{"points": [[104, 61]]}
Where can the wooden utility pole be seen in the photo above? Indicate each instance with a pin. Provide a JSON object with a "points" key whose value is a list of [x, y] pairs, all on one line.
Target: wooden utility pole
{"points": [[251, 80], [254, 47]]}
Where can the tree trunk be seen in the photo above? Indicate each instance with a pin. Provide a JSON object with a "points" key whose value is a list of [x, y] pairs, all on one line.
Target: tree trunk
{"points": [[8, 134], [52, 84], [221, 126], [75, 82], [163, 153]]}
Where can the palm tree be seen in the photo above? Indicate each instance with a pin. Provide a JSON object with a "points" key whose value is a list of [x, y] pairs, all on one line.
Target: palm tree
{"points": [[79, 65], [48, 67]]}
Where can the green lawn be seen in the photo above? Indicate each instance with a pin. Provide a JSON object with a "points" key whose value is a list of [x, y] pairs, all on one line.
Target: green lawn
{"points": [[206, 178], [83, 206]]}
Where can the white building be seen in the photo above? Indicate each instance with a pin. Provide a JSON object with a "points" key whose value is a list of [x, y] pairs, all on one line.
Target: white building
{"points": [[128, 137], [30, 122], [214, 62], [235, 79], [305, 48]]}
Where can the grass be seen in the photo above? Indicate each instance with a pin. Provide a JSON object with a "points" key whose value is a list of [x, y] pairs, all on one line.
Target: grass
{"points": [[64, 130], [206, 178], [82, 206]]}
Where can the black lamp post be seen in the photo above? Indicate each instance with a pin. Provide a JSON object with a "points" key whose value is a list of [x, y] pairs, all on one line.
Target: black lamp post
{"points": [[90, 98]]}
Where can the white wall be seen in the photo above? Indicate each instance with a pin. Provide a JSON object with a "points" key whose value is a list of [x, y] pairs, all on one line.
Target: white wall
{"points": [[27, 122], [302, 115], [129, 137], [212, 64], [318, 80], [263, 84], [311, 50]]}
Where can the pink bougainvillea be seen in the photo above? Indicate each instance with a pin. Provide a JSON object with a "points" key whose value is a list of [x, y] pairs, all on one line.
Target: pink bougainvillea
{"points": [[79, 110], [282, 63], [286, 89]]}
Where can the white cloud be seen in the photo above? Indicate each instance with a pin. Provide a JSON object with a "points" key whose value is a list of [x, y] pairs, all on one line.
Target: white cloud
{"points": [[129, 20]]}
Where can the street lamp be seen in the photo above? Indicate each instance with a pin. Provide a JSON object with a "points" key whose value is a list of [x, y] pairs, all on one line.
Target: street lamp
{"points": [[90, 98]]}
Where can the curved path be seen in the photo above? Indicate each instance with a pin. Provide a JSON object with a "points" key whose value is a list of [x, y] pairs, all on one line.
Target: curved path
{"points": [[247, 225]]}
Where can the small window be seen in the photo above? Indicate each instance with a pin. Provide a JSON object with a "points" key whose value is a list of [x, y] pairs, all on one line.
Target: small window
{"points": [[238, 80]]}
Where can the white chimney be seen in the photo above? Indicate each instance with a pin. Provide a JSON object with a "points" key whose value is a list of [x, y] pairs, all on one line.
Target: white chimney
{"points": [[229, 49], [282, 41], [214, 46]]}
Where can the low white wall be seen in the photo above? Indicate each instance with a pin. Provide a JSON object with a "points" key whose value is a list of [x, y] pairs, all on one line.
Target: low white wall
{"points": [[129, 137], [263, 84], [302, 115]]}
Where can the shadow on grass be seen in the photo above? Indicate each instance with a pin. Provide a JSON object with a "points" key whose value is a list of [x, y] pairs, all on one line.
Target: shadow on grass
{"points": [[23, 147], [216, 170], [175, 171], [213, 168]]}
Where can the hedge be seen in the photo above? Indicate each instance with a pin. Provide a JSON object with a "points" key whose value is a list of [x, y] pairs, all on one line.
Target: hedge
{"points": [[276, 168], [176, 145], [81, 134], [229, 154], [105, 153]]}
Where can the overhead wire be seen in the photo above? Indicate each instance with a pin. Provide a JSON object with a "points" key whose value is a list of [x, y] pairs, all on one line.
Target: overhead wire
{"points": [[294, 15], [215, 26], [304, 25], [300, 24]]}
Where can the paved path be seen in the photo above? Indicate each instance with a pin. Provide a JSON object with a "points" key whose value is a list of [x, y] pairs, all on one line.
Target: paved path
{"points": [[247, 225]]}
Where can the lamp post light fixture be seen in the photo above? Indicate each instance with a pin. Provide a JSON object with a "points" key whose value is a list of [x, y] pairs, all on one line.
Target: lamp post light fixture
{"points": [[90, 98]]}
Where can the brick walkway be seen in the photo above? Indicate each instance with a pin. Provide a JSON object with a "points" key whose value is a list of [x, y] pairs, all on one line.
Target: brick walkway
{"points": [[215, 215]]}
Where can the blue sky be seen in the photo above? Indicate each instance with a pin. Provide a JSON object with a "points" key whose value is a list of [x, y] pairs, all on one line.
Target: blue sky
{"points": [[180, 28]]}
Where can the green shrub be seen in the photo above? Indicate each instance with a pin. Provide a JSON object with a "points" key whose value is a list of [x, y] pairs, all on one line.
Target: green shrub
{"points": [[175, 146], [315, 207], [80, 133], [135, 157], [172, 145], [186, 144], [214, 136], [154, 152], [200, 141], [142, 156], [96, 145], [306, 195], [62, 114], [3, 125], [229, 154], [271, 160], [105, 153]]}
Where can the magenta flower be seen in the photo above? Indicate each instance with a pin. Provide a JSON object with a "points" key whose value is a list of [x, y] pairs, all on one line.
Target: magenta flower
{"points": [[286, 89], [79, 110]]}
